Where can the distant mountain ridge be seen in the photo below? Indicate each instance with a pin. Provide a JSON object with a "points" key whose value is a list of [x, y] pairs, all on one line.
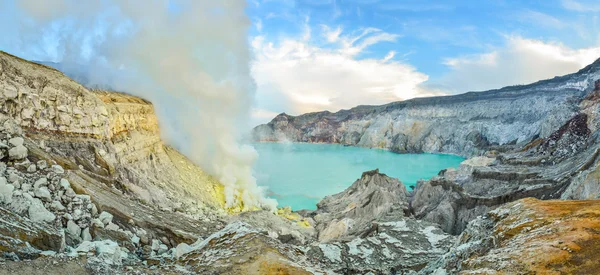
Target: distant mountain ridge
{"points": [[465, 124]]}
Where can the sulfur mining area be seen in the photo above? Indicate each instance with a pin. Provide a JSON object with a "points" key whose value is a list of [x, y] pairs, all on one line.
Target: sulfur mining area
{"points": [[87, 186]]}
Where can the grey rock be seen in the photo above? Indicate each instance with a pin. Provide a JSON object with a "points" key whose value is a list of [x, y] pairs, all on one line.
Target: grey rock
{"points": [[38, 213], [31, 168], [6, 191], [368, 228], [162, 249], [85, 234], [64, 184], [40, 182], [374, 196], [105, 217], [57, 206], [16, 141], [26, 187], [70, 193], [94, 210], [43, 193], [13, 177], [10, 91], [17, 153], [97, 223], [25, 237], [155, 245], [112, 226], [58, 169], [73, 229], [42, 164], [135, 239]]}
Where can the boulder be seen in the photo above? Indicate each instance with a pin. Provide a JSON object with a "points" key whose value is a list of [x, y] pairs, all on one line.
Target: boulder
{"points": [[58, 169], [38, 213], [105, 217], [26, 238], [43, 193], [85, 234], [16, 141], [6, 191], [17, 153], [73, 229], [368, 229]]}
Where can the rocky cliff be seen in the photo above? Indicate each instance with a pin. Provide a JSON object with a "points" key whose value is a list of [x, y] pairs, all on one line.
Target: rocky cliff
{"points": [[70, 153], [466, 124]]}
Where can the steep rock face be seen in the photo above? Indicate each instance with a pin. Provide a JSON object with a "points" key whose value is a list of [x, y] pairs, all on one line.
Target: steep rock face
{"points": [[373, 197], [111, 137], [466, 124], [528, 237], [110, 148], [368, 228], [561, 165]]}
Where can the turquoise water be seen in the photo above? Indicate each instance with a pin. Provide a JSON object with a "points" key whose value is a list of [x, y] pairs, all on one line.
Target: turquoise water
{"points": [[301, 174]]}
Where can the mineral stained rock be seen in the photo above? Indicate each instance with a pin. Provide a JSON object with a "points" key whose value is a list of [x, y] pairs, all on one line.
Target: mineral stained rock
{"points": [[528, 236]]}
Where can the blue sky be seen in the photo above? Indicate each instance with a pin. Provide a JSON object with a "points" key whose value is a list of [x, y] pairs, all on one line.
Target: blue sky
{"points": [[314, 55], [431, 31], [433, 47]]}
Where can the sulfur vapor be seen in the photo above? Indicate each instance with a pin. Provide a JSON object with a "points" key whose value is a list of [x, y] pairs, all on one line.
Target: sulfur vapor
{"points": [[190, 58]]}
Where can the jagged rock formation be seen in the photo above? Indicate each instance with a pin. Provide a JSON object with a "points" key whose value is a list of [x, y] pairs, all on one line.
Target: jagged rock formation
{"points": [[368, 228], [467, 124], [373, 197], [528, 237]]}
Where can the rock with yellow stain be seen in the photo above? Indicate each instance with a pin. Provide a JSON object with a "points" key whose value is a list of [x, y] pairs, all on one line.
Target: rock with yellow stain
{"points": [[529, 236], [241, 249]]}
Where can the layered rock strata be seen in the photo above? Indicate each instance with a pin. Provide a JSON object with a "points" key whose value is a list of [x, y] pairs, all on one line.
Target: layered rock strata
{"points": [[466, 124]]}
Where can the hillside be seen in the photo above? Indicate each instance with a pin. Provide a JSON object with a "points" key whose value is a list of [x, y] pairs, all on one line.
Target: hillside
{"points": [[467, 124]]}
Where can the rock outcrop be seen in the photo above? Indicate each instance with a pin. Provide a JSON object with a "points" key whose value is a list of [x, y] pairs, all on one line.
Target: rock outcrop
{"points": [[368, 228], [69, 154], [528, 237], [373, 197], [22, 238]]}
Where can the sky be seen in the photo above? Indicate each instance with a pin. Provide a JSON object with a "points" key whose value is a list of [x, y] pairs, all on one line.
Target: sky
{"points": [[316, 55]]}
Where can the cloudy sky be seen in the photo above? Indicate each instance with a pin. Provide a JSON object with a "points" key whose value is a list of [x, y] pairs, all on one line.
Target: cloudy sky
{"points": [[314, 55]]}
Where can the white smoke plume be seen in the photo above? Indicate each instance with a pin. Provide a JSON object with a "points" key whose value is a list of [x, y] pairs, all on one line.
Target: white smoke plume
{"points": [[190, 58]]}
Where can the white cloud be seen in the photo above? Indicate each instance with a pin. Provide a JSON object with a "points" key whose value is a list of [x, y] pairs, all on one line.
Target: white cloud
{"points": [[331, 35], [581, 6], [330, 77], [542, 19], [258, 24], [389, 56], [519, 61]]}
